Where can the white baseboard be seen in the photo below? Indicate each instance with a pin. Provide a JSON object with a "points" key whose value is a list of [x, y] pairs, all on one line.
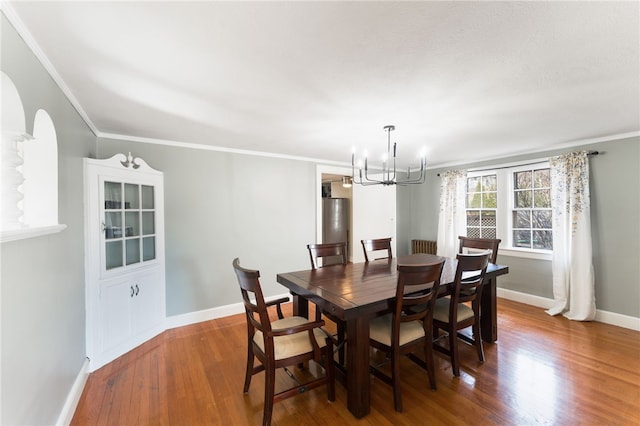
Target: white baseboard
{"points": [[209, 314], [606, 317], [70, 405]]}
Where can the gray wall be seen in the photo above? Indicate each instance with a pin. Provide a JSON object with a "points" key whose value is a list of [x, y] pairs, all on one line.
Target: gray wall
{"points": [[219, 206], [615, 224], [42, 278]]}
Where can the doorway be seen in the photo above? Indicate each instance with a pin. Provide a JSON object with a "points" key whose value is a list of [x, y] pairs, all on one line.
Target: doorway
{"points": [[372, 213]]}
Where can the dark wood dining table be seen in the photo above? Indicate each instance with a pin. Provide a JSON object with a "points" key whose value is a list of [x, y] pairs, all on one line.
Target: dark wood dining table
{"points": [[357, 292]]}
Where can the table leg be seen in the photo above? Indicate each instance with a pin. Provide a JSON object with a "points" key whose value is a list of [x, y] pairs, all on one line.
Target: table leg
{"points": [[489, 312], [300, 306], [358, 381]]}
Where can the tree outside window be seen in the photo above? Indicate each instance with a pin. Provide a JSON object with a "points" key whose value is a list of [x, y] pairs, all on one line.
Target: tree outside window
{"points": [[532, 209]]}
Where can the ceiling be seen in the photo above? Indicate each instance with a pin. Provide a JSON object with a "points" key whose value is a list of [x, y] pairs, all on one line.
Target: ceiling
{"points": [[463, 80]]}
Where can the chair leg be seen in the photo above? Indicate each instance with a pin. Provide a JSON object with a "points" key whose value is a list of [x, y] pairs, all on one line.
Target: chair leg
{"points": [[248, 373], [395, 379], [428, 356], [453, 350], [477, 338], [269, 390]]}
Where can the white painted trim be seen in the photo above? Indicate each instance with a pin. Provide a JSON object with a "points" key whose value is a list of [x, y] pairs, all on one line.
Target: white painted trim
{"points": [[547, 148], [526, 253], [620, 320], [24, 233], [22, 30], [189, 145], [529, 299], [175, 321], [605, 317], [70, 405]]}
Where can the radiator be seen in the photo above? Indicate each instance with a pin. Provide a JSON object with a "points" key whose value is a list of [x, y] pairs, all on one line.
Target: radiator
{"points": [[424, 246]]}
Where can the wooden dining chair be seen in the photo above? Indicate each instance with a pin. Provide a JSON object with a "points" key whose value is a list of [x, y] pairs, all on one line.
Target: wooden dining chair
{"points": [[328, 254], [379, 244], [279, 344], [453, 313], [480, 244], [408, 328]]}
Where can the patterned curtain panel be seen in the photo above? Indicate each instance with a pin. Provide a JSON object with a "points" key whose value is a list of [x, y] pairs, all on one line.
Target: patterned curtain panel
{"points": [[573, 282], [451, 221]]}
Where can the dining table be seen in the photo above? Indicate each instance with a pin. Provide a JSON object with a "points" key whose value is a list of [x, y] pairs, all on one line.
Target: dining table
{"points": [[357, 292]]}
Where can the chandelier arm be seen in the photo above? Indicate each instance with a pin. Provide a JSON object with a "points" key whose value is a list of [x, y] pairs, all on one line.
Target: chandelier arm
{"points": [[419, 179]]}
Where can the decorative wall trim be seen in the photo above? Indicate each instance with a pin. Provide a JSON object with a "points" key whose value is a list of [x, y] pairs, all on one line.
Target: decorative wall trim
{"points": [[605, 317], [20, 234], [209, 314], [70, 405], [22, 30]]}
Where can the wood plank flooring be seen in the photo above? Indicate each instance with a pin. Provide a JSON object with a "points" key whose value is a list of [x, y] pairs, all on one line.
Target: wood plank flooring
{"points": [[543, 370]]}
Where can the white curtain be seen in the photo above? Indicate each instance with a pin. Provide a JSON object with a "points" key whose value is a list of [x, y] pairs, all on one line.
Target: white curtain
{"points": [[452, 220], [573, 282]]}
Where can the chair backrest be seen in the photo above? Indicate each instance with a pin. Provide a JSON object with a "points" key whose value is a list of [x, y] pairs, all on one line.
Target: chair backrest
{"points": [[331, 254], [467, 284], [480, 244], [406, 298], [254, 305], [376, 245]]}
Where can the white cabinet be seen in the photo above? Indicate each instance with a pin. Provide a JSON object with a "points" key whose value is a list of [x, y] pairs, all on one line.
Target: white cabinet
{"points": [[124, 256]]}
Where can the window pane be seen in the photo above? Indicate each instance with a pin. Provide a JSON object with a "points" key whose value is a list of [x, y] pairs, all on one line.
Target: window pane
{"points": [[473, 218], [542, 198], [131, 197], [488, 218], [521, 219], [542, 219], [147, 197], [489, 183], [473, 232], [113, 225], [132, 224], [489, 233], [522, 199], [112, 195], [541, 178], [542, 240], [522, 180], [113, 253], [473, 184], [148, 223], [474, 200], [489, 200], [522, 239], [148, 248], [133, 251]]}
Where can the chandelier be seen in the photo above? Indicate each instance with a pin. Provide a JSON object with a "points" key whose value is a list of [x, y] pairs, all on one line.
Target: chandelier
{"points": [[388, 176]]}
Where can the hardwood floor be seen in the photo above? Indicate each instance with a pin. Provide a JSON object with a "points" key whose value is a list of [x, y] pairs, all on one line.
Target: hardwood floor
{"points": [[542, 370]]}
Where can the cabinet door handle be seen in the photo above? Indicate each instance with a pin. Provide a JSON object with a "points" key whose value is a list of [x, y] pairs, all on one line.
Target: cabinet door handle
{"points": [[137, 289], [132, 291]]}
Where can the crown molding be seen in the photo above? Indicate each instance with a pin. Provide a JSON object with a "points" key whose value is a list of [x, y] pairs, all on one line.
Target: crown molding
{"points": [[204, 147], [22, 30]]}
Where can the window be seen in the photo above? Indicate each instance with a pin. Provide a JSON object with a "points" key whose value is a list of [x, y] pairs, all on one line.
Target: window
{"points": [[482, 202], [513, 204], [531, 213]]}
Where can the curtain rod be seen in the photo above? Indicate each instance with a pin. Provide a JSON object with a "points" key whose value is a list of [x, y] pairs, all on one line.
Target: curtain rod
{"points": [[589, 153]]}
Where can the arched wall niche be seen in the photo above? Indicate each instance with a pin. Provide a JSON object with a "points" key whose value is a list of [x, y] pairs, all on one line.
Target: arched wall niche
{"points": [[29, 171]]}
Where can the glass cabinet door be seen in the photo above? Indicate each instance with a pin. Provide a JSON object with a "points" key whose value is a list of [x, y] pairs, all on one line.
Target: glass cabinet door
{"points": [[129, 224]]}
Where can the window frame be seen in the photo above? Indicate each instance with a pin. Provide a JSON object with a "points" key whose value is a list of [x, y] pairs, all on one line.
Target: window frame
{"points": [[505, 207]]}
